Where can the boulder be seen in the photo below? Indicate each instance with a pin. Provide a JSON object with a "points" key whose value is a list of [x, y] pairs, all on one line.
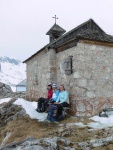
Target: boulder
{"points": [[4, 89], [1, 84], [9, 112]]}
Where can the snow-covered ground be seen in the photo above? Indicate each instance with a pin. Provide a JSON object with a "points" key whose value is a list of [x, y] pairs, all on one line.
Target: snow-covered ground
{"points": [[12, 71], [30, 109], [4, 100], [100, 122]]}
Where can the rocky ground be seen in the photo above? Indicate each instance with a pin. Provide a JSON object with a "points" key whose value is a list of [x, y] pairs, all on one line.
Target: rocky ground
{"points": [[19, 132]]}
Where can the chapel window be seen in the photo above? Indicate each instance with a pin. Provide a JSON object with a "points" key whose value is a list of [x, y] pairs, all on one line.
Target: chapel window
{"points": [[68, 65]]}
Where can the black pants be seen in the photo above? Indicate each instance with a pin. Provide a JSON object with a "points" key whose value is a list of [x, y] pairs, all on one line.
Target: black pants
{"points": [[42, 101], [60, 107]]}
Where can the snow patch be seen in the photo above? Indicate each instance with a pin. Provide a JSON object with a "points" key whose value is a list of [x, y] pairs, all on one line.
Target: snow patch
{"points": [[5, 100], [13, 88], [80, 124], [30, 109], [101, 122]]}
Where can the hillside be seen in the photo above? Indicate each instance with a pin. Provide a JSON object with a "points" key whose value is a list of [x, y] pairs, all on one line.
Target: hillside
{"points": [[22, 128]]}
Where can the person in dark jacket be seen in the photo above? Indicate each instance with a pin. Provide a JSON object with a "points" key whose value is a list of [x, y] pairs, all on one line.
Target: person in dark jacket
{"points": [[43, 102]]}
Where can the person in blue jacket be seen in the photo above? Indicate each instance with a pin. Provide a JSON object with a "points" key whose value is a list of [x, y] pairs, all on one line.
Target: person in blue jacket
{"points": [[55, 93], [62, 100]]}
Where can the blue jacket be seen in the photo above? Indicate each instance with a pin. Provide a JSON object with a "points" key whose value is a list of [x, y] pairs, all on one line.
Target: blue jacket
{"points": [[55, 95], [63, 97]]}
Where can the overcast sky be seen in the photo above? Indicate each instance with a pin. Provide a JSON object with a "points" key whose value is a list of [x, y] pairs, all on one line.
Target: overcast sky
{"points": [[24, 23]]}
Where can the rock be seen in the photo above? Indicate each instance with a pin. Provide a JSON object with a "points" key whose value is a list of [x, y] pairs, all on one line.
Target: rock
{"points": [[82, 83], [8, 87], [4, 89], [83, 145], [90, 94], [77, 75], [41, 144], [10, 112], [14, 95], [95, 143], [1, 84]]}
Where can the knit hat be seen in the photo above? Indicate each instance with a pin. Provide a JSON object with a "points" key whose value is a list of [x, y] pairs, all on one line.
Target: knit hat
{"points": [[54, 85]]}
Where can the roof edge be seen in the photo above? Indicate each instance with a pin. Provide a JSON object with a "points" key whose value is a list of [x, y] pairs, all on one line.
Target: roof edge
{"points": [[34, 54]]}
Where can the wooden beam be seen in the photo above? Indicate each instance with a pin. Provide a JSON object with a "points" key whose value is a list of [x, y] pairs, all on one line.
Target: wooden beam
{"points": [[96, 42]]}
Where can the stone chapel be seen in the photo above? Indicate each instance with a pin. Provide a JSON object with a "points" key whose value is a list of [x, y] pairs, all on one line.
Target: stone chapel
{"points": [[82, 60]]}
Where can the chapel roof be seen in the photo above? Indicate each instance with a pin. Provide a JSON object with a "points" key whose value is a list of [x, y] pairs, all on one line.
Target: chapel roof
{"points": [[95, 35], [88, 30]]}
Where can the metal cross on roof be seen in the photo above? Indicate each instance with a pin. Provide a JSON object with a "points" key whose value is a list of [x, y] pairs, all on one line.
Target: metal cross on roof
{"points": [[55, 18]]}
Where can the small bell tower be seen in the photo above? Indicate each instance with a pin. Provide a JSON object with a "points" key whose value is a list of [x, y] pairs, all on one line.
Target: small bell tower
{"points": [[55, 31]]}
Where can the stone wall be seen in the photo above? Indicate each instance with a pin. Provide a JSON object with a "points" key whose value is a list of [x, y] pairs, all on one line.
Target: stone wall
{"points": [[40, 71], [91, 83], [90, 86]]}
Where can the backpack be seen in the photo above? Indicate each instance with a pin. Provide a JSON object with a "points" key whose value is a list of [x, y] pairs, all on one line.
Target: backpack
{"points": [[41, 106], [52, 113]]}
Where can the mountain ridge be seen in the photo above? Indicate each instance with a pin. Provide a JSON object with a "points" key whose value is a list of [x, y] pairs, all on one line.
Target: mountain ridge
{"points": [[10, 60]]}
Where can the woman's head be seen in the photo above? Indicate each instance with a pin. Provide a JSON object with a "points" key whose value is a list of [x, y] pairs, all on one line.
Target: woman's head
{"points": [[49, 87], [62, 88]]}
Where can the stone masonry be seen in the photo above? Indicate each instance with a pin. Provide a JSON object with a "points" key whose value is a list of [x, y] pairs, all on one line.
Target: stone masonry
{"points": [[45, 71], [90, 86]]}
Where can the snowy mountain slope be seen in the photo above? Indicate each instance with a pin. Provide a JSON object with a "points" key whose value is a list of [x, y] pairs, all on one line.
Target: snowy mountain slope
{"points": [[10, 60], [12, 71]]}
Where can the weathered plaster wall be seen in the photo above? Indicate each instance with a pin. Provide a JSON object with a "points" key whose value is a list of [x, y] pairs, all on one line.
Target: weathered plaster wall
{"points": [[91, 83], [46, 72]]}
